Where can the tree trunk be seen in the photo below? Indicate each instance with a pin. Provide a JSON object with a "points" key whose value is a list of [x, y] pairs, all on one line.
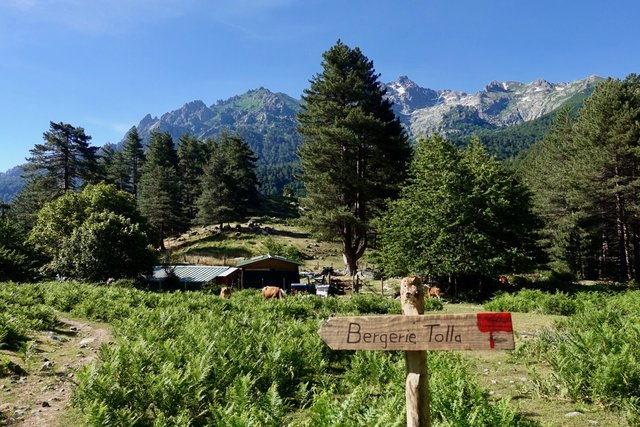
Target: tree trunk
{"points": [[350, 262], [622, 240], [162, 247], [621, 227], [636, 252]]}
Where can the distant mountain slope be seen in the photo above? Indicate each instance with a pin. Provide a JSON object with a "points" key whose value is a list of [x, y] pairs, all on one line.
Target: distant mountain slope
{"points": [[508, 117], [266, 120], [509, 141], [11, 183], [498, 105]]}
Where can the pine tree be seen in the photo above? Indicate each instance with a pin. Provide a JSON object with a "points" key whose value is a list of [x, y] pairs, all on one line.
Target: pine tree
{"points": [[113, 167], [354, 152], [159, 198], [229, 184], [215, 202], [134, 158], [28, 202], [606, 175], [65, 156], [242, 173], [547, 170], [586, 177], [192, 157]]}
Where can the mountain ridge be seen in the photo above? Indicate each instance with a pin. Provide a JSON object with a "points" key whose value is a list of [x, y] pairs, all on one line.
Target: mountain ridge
{"points": [[267, 120], [498, 104]]}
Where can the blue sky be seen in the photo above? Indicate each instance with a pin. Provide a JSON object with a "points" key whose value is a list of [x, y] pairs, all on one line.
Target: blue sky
{"points": [[103, 65]]}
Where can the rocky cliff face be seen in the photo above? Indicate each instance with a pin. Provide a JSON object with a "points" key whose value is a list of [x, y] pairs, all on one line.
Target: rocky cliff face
{"points": [[266, 120], [499, 104]]}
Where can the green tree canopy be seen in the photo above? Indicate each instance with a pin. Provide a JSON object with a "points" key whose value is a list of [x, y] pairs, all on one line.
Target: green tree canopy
{"points": [[585, 174], [28, 202], [192, 157], [133, 157], [159, 198], [461, 214], [114, 167], [354, 152], [106, 245], [66, 157], [18, 259], [100, 224], [229, 184]]}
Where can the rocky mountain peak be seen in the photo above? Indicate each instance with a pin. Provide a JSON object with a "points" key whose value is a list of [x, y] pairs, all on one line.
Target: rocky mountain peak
{"points": [[194, 106], [496, 86], [408, 96], [541, 84]]}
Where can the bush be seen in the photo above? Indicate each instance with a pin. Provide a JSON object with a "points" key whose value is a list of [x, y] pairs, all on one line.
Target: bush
{"points": [[22, 310], [533, 300]]}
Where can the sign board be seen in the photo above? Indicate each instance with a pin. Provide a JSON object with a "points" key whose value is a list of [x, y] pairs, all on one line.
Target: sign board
{"points": [[477, 331]]}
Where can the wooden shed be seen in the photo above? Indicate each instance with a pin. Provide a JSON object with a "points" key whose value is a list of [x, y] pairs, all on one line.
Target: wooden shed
{"points": [[268, 270]]}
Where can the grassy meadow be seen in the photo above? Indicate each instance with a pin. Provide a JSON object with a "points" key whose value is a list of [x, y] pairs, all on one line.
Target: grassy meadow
{"points": [[194, 359]]}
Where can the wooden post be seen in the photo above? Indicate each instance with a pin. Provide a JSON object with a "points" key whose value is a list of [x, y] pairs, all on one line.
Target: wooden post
{"points": [[417, 383], [415, 334]]}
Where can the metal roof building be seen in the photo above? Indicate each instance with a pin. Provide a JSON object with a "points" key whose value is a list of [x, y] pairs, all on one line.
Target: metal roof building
{"points": [[192, 274]]}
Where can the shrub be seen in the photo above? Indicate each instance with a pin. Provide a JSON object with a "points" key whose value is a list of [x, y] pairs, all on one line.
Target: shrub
{"points": [[22, 309], [533, 300]]}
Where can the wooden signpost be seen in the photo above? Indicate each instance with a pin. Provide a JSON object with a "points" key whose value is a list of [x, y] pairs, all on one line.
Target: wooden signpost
{"points": [[478, 331], [414, 333]]}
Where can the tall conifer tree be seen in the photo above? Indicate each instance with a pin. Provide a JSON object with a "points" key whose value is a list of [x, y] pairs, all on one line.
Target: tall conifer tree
{"points": [[229, 183], [159, 198], [586, 175], [192, 157], [114, 168], [65, 156], [134, 158], [354, 152]]}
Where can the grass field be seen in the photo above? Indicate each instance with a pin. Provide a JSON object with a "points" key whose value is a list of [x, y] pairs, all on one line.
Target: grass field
{"points": [[207, 245], [334, 388], [194, 359]]}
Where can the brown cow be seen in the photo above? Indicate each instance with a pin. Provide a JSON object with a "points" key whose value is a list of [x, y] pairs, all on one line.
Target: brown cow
{"points": [[269, 292], [225, 292], [433, 292]]}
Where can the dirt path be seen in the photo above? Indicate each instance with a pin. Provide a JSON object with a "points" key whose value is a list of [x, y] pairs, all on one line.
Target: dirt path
{"points": [[41, 398]]}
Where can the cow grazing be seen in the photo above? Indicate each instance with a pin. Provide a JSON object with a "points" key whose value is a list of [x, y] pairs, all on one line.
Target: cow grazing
{"points": [[225, 292], [433, 292], [269, 292]]}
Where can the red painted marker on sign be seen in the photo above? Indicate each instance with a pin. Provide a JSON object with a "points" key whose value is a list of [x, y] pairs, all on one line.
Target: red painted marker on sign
{"points": [[494, 322]]}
